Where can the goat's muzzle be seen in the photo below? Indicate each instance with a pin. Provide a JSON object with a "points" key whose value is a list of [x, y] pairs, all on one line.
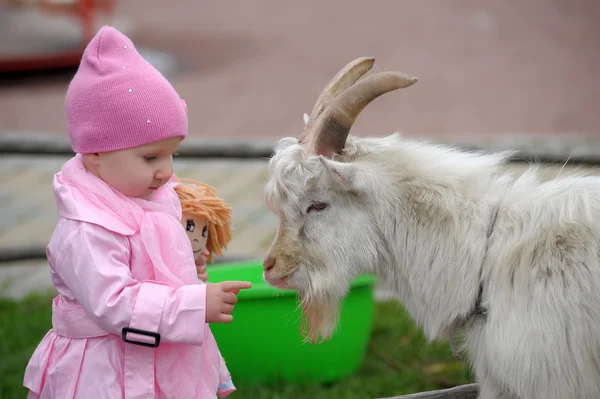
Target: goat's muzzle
{"points": [[268, 263]]}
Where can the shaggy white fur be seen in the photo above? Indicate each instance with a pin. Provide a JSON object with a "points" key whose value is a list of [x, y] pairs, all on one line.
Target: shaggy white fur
{"points": [[512, 262]]}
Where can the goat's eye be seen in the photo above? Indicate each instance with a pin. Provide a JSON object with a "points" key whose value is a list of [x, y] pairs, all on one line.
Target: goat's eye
{"points": [[316, 206], [191, 226]]}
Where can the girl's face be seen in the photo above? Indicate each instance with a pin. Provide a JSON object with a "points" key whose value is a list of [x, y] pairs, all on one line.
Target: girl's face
{"points": [[197, 231], [136, 172]]}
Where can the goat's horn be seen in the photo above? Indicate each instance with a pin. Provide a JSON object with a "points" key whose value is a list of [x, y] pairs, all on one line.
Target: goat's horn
{"points": [[331, 129], [345, 78]]}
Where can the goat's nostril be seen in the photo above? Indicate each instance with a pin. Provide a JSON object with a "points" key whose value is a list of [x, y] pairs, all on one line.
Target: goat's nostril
{"points": [[269, 262]]}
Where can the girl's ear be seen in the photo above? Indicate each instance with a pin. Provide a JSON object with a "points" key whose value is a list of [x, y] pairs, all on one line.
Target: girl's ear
{"points": [[92, 159], [91, 162]]}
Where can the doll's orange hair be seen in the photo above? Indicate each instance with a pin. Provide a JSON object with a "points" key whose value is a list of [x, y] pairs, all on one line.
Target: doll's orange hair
{"points": [[200, 200]]}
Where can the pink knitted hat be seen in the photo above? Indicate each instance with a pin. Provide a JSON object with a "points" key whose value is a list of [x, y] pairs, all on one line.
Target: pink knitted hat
{"points": [[117, 100]]}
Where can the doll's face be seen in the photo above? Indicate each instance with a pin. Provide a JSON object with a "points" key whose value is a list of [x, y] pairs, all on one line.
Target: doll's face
{"points": [[197, 231]]}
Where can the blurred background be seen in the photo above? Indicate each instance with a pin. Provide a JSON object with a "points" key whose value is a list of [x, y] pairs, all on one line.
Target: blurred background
{"points": [[492, 75], [249, 69]]}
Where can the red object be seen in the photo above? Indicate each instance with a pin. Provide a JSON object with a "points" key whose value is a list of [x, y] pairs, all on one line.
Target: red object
{"points": [[83, 10]]}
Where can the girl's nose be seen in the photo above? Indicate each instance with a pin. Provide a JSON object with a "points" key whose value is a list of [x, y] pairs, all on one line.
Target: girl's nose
{"points": [[164, 172]]}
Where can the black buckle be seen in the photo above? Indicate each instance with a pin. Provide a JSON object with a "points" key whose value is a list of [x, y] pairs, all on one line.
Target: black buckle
{"points": [[156, 337]]}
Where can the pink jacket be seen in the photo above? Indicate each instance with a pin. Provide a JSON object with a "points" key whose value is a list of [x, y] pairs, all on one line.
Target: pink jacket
{"points": [[118, 263]]}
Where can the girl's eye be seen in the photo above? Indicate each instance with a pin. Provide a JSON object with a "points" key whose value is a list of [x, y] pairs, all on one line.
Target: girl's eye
{"points": [[150, 158], [204, 231], [316, 206], [191, 226]]}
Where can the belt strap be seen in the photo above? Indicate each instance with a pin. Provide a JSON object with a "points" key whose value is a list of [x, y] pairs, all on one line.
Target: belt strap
{"points": [[141, 338]]}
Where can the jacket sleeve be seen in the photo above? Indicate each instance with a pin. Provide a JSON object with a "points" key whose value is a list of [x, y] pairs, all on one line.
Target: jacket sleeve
{"points": [[93, 263]]}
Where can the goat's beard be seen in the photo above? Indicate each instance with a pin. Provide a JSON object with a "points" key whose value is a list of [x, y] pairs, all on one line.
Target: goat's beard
{"points": [[321, 291], [320, 313]]}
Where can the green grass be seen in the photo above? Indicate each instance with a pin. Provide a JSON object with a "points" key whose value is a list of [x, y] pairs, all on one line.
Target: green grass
{"points": [[22, 326], [398, 361]]}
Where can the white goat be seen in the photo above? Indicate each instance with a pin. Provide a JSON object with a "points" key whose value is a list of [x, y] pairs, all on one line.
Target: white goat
{"points": [[512, 262]]}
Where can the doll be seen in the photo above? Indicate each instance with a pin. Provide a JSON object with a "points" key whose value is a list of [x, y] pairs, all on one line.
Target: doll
{"points": [[206, 219]]}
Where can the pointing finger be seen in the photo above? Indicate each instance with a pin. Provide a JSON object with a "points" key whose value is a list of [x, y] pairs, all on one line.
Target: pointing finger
{"points": [[235, 285]]}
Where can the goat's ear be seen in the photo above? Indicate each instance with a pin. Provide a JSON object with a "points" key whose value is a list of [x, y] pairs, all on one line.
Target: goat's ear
{"points": [[342, 175]]}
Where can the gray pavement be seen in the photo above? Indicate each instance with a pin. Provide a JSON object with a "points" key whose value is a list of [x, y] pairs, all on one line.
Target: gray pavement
{"points": [[28, 213]]}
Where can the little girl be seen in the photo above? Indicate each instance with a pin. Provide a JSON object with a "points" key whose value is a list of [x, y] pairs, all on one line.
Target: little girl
{"points": [[130, 320], [206, 219]]}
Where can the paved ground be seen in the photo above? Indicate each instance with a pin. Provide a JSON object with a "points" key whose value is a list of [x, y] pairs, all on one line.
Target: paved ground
{"points": [[28, 214], [250, 69]]}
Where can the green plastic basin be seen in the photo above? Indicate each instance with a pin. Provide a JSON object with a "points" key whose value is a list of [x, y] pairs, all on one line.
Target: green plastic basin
{"points": [[263, 343]]}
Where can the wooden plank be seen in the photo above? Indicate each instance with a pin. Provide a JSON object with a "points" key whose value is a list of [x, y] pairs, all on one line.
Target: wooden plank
{"points": [[468, 391]]}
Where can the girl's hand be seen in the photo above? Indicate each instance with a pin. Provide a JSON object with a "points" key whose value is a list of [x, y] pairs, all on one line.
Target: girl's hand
{"points": [[220, 298], [201, 266], [202, 273]]}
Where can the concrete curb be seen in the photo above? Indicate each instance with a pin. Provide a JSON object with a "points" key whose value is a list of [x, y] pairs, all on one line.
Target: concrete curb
{"points": [[33, 252], [37, 144], [553, 148], [23, 252], [540, 148]]}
